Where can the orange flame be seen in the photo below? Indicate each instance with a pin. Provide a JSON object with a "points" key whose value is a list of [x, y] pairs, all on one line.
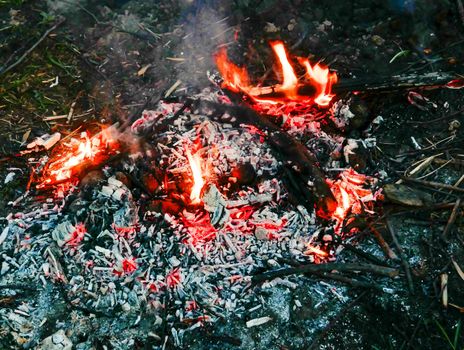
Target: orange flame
{"points": [[311, 249], [290, 83], [236, 79], [198, 182], [71, 159]]}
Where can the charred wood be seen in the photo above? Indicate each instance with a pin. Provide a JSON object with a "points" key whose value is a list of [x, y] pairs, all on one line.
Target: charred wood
{"points": [[308, 181], [340, 267]]}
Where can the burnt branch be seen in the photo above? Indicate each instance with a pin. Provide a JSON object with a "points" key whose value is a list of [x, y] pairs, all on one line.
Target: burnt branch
{"points": [[295, 157]]}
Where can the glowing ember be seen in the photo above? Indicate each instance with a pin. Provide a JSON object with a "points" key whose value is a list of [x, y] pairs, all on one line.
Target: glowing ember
{"points": [[77, 235], [317, 76], [199, 227], [127, 266], [316, 251], [173, 278], [73, 157], [198, 182], [351, 195]]}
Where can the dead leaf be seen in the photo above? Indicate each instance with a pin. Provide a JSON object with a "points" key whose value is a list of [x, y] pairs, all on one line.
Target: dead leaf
{"points": [[405, 195], [143, 70], [26, 136], [458, 269]]}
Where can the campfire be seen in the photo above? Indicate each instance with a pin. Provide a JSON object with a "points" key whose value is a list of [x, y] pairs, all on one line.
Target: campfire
{"points": [[227, 182], [185, 208], [185, 213]]}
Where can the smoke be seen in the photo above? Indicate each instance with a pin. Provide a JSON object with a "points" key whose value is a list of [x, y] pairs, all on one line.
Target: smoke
{"points": [[205, 26]]}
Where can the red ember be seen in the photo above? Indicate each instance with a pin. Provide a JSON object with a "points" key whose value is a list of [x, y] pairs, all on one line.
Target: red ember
{"points": [[77, 235], [173, 278]]}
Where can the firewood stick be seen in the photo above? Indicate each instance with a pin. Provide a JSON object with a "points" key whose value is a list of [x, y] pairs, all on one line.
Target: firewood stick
{"points": [[434, 207], [370, 84], [396, 82], [349, 281], [319, 268], [389, 253], [365, 255], [335, 276]]}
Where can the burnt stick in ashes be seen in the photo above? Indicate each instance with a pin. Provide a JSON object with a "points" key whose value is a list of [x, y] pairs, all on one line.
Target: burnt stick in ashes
{"points": [[372, 84], [301, 166]]}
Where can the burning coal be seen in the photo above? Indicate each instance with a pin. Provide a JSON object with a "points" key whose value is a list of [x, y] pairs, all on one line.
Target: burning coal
{"points": [[352, 196], [77, 155], [314, 88]]}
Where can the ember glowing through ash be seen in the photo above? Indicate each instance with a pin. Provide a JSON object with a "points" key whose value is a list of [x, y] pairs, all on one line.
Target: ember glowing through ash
{"points": [[316, 76]]}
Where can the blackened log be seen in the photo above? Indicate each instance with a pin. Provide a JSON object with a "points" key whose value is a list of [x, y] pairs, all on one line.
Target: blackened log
{"points": [[294, 156], [373, 84], [398, 82]]}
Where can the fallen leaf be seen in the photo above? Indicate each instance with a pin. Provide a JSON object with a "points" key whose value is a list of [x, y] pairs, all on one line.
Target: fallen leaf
{"points": [[26, 136], [143, 70], [458, 269]]}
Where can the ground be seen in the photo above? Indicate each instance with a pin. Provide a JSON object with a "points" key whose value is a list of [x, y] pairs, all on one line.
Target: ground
{"points": [[108, 60]]}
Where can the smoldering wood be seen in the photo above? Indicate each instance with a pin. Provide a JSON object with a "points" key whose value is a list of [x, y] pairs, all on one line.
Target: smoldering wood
{"points": [[301, 166]]}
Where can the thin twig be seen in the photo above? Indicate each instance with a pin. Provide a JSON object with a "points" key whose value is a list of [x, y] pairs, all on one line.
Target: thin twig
{"points": [[452, 219], [42, 38], [333, 322], [404, 261]]}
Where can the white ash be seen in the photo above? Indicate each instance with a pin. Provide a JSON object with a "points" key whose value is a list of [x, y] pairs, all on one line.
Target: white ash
{"points": [[342, 113], [215, 275]]}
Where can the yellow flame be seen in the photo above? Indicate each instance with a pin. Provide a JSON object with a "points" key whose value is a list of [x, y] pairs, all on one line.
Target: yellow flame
{"points": [[290, 83], [198, 182]]}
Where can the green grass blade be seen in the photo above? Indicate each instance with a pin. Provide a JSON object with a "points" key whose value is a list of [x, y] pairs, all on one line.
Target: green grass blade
{"points": [[445, 335], [457, 334]]}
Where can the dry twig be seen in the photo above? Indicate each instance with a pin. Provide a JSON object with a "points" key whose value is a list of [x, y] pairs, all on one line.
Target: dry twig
{"points": [[404, 261], [452, 219], [42, 38]]}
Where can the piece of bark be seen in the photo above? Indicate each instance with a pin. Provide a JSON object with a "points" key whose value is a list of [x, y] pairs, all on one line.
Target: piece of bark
{"points": [[405, 195]]}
